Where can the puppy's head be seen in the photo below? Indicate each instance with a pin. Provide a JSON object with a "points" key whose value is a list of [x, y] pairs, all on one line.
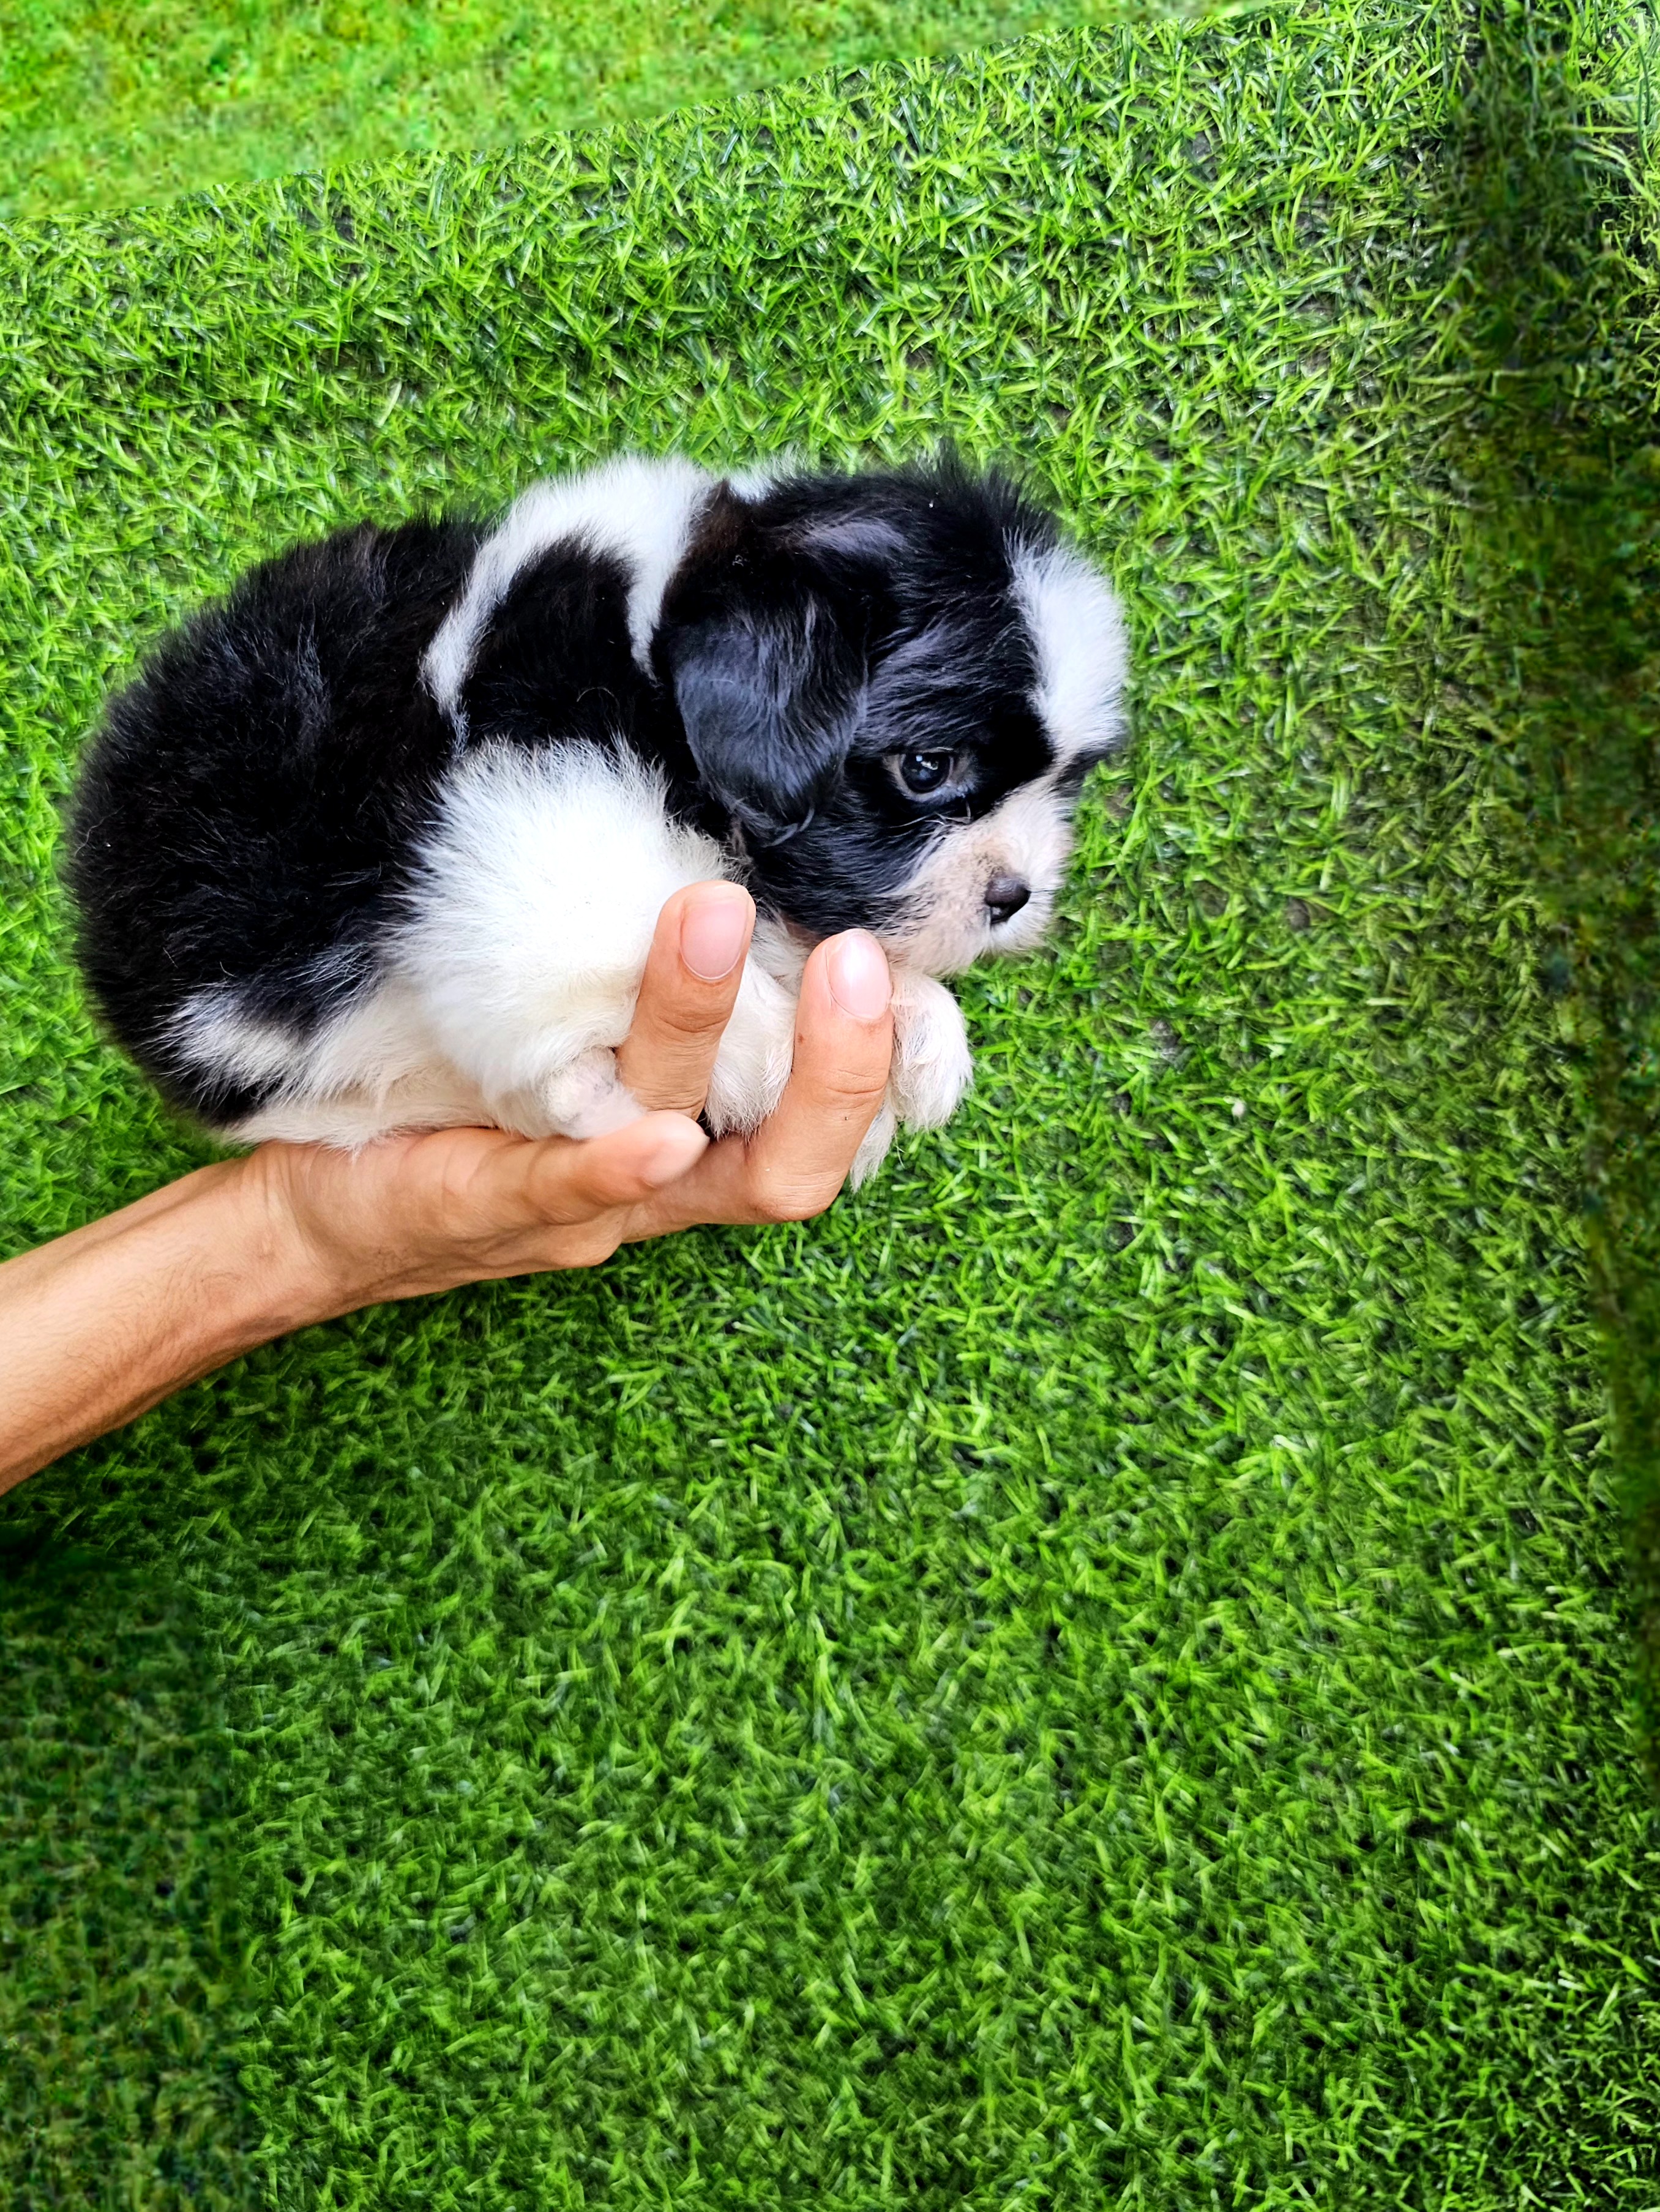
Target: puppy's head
{"points": [[894, 686]]}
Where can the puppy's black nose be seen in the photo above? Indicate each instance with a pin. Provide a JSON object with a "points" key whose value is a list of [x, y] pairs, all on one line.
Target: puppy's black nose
{"points": [[1004, 897]]}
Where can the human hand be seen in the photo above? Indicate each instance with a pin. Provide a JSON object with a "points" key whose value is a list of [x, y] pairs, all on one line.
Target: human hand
{"points": [[416, 1214], [100, 1325]]}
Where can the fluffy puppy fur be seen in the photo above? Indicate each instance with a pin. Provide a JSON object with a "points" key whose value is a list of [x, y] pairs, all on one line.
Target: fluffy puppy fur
{"points": [[379, 842]]}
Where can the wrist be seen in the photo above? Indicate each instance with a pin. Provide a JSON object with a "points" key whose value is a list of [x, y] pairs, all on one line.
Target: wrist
{"points": [[286, 1278]]}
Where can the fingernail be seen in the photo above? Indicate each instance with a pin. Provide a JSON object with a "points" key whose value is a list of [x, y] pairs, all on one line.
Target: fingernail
{"points": [[714, 934], [859, 979], [679, 1148]]}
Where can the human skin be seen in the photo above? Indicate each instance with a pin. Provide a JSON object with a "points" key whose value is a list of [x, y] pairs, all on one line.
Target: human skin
{"points": [[100, 1325]]}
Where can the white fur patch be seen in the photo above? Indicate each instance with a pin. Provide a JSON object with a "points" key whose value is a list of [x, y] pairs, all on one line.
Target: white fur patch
{"points": [[210, 1031], [535, 904], [757, 478], [757, 482], [642, 510], [1078, 634], [375, 1066]]}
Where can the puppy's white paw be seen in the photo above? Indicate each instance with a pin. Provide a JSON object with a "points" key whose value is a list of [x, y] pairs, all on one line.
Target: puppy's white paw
{"points": [[753, 1063], [932, 1066], [874, 1147], [586, 1097]]}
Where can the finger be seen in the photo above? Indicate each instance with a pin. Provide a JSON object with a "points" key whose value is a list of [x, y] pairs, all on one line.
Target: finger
{"points": [[691, 979], [555, 1182], [795, 1163]]}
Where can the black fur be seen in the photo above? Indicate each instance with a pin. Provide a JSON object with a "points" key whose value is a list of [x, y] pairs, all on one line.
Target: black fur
{"points": [[249, 812]]}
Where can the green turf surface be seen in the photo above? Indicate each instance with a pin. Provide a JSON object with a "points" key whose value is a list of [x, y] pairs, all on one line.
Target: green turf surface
{"points": [[104, 105], [1561, 471], [1100, 1673]]}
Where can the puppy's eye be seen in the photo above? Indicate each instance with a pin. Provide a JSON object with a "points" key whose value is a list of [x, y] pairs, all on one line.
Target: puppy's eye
{"points": [[922, 773]]}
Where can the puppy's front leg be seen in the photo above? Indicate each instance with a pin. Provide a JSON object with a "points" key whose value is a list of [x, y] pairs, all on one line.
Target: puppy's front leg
{"points": [[753, 1064], [932, 1066]]}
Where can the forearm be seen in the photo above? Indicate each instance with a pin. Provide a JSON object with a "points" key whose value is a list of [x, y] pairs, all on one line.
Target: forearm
{"points": [[99, 1326]]}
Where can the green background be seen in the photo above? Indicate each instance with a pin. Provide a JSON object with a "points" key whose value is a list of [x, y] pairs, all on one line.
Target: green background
{"points": [[102, 104], [1100, 1673]]}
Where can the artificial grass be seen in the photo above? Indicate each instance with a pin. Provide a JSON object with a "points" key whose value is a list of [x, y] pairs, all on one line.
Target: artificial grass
{"points": [[1100, 1672], [1562, 472], [102, 105]]}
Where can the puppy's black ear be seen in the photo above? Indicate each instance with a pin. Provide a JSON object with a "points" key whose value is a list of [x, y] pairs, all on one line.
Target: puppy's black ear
{"points": [[768, 671], [769, 698]]}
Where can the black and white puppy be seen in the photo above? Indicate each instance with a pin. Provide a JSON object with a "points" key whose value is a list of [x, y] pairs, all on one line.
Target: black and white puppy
{"points": [[380, 844]]}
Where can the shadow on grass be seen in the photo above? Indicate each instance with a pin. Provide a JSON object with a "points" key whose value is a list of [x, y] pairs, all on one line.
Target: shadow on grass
{"points": [[1552, 227]]}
